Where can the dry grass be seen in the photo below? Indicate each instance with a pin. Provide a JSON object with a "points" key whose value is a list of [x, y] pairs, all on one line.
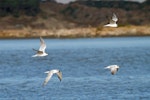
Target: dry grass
{"points": [[125, 31], [54, 23], [76, 32]]}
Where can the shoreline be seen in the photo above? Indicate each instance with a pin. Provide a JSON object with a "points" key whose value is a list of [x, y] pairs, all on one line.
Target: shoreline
{"points": [[89, 32]]}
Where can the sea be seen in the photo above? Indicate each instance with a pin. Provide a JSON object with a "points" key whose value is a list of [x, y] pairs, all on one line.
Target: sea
{"points": [[82, 62]]}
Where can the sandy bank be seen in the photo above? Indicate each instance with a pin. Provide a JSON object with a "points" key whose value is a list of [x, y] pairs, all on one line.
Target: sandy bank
{"points": [[76, 32]]}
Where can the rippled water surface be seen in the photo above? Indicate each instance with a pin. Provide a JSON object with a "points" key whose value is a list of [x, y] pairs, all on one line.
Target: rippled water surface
{"points": [[82, 63]]}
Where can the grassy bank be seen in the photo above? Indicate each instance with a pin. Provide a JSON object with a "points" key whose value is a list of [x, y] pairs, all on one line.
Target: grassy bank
{"points": [[76, 32]]}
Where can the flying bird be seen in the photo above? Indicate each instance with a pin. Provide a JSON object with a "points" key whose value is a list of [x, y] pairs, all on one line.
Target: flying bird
{"points": [[50, 74], [41, 51], [113, 68], [113, 21]]}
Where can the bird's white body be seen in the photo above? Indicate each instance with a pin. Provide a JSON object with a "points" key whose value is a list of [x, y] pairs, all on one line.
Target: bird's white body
{"points": [[41, 52], [50, 74], [113, 22], [40, 55], [52, 71], [111, 25], [113, 68]]}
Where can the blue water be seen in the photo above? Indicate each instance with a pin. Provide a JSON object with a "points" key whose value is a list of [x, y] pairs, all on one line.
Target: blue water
{"points": [[82, 63]]}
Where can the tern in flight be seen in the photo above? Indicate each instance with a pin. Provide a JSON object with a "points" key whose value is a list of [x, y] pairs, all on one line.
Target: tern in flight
{"points": [[50, 74], [112, 22], [113, 68], [41, 52]]}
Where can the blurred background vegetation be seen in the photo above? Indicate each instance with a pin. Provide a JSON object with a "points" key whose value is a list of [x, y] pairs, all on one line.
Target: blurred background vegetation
{"points": [[77, 13], [50, 15], [16, 7]]}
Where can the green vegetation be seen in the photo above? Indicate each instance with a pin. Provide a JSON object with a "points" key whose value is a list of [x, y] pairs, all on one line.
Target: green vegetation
{"points": [[122, 4], [17, 7]]}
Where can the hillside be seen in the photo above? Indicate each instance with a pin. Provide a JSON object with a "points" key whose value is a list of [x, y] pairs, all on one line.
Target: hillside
{"points": [[48, 17], [99, 12], [57, 20]]}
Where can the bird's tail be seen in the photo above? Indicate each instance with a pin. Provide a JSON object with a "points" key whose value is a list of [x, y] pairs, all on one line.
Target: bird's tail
{"points": [[34, 56], [35, 49]]}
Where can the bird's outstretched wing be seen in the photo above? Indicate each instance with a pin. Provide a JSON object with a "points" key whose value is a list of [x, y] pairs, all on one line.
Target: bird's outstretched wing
{"points": [[59, 75], [43, 45], [114, 18], [49, 75]]}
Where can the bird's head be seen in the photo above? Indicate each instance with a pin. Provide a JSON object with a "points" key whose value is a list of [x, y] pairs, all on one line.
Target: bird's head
{"points": [[117, 66], [46, 72]]}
